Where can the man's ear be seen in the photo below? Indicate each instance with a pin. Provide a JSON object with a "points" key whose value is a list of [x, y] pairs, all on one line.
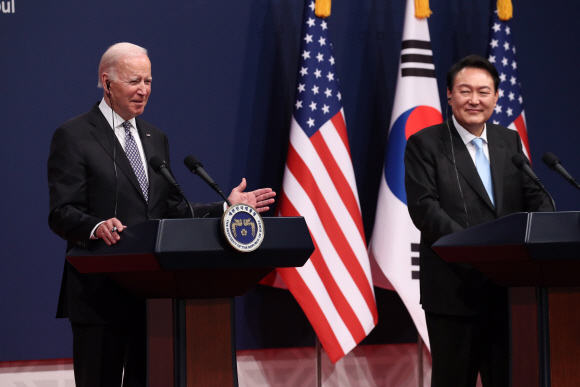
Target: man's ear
{"points": [[106, 83]]}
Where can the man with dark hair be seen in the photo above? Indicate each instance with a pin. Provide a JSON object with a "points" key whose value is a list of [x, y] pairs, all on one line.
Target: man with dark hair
{"points": [[100, 182], [473, 62], [459, 174]]}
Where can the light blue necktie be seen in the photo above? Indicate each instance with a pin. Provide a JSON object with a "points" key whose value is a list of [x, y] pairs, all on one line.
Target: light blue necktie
{"points": [[482, 165], [134, 157]]}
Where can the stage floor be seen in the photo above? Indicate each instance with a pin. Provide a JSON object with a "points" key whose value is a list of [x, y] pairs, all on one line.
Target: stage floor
{"points": [[366, 366]]}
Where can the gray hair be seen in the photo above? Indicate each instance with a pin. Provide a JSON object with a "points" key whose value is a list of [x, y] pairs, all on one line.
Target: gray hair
{"points": [[113, 55]]}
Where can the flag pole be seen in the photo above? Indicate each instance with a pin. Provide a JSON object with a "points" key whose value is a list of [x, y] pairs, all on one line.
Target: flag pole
{"points": [[420, 360], [318, 363]]}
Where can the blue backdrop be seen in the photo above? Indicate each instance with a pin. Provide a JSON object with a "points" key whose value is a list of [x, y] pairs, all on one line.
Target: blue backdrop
{"points": [[224, 79]]}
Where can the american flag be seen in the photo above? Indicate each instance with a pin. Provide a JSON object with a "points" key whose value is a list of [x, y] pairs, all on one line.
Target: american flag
{"points": [[334, 288], [509, 110]]}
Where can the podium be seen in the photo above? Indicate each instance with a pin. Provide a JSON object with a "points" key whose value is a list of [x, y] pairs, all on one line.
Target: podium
{"points": [[522, 250], [189, 275]]}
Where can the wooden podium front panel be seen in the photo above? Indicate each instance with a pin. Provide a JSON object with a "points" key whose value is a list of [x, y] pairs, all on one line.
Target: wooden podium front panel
{"points": [[524, 332], [160, 342], [210, 351], [565, 336]]}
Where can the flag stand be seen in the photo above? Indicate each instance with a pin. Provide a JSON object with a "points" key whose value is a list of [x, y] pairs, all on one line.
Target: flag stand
{"points": [[318, 363], [420, 360]]}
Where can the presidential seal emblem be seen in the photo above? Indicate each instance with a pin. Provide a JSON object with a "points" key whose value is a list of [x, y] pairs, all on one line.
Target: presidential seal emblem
{"points": [[243, 227]]}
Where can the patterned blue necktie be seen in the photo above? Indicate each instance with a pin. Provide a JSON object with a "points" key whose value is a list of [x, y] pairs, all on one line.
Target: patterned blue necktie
{"points": [[134, 157], [482, 165]]}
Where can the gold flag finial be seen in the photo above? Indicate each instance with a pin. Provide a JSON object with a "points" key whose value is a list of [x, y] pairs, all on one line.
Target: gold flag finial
{"points": [[322, 8], [422, 9], [505, 9]]}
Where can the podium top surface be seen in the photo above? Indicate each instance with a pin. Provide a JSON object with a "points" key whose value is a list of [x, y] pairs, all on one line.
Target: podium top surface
{"points": [[191, 244], [517, 237]]}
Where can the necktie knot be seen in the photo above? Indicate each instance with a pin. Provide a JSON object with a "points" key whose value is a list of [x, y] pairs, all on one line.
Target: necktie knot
{"points": [[126, 125], [478, 142]]}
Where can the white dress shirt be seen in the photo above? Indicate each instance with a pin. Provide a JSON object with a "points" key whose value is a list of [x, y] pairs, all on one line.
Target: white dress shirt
{"points": [[113, 117], [467, 136], [120, 131]]}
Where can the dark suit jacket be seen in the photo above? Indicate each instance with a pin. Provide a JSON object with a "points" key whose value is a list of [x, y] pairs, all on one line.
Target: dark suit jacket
{"points": [[84, 188], [436, 206]]}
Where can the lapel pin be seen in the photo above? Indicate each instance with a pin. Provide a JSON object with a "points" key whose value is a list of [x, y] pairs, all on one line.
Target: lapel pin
{"points": [[148, 135]]}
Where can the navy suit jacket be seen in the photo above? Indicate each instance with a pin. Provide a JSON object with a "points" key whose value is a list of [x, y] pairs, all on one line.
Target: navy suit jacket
{"points": [[444, 196], [85, 186]]}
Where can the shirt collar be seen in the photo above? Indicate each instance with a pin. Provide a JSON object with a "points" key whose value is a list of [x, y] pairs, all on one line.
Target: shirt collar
{"points": [[466, 135], [108, 113]]}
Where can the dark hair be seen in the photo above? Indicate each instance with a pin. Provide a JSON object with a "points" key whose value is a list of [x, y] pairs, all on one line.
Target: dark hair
{"points": [[472, 61]]}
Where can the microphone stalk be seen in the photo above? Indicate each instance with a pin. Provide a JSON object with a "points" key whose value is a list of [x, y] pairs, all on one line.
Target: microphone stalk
{"points": [[521, 162], [555, 164], [196, 167], [161, 168]]}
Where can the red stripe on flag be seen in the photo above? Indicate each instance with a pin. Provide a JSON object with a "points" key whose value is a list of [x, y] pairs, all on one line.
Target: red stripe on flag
{"points": [[521, 128], [310, 305], [269, 280], [306, 299], [302, 173], [340, 125], [340, 182], [286, 206], [339, 301]]}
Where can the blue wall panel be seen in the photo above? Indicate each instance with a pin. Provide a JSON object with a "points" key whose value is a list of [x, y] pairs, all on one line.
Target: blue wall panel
{"points": [[224, 80]]}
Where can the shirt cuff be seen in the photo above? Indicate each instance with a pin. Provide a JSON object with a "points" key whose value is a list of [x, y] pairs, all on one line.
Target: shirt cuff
{"points": [[95, 229]]}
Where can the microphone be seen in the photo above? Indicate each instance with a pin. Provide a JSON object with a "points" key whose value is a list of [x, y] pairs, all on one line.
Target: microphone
{"points": [[554, 164], [161, 168], [196, 167], [521, 162]]}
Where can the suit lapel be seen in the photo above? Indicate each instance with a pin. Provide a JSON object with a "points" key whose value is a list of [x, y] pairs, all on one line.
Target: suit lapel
{"points": [[464, 162], [149, 149], [497, 160], [106, 137]]}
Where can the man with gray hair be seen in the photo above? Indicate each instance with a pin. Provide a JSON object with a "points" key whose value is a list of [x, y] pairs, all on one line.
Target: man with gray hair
{"points": [[100, 183]]}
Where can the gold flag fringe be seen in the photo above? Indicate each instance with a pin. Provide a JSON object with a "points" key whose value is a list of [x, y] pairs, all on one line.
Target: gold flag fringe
{"points": [[422, 9], [322, 8], [505, 9]]}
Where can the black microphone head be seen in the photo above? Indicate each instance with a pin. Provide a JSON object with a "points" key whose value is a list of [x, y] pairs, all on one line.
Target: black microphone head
{"points": [[550, 160], [192, 163], [519, 160], [157, 163]]}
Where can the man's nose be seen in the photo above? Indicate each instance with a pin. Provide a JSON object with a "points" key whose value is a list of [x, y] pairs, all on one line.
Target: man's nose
{"points": [[142, 88]]}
